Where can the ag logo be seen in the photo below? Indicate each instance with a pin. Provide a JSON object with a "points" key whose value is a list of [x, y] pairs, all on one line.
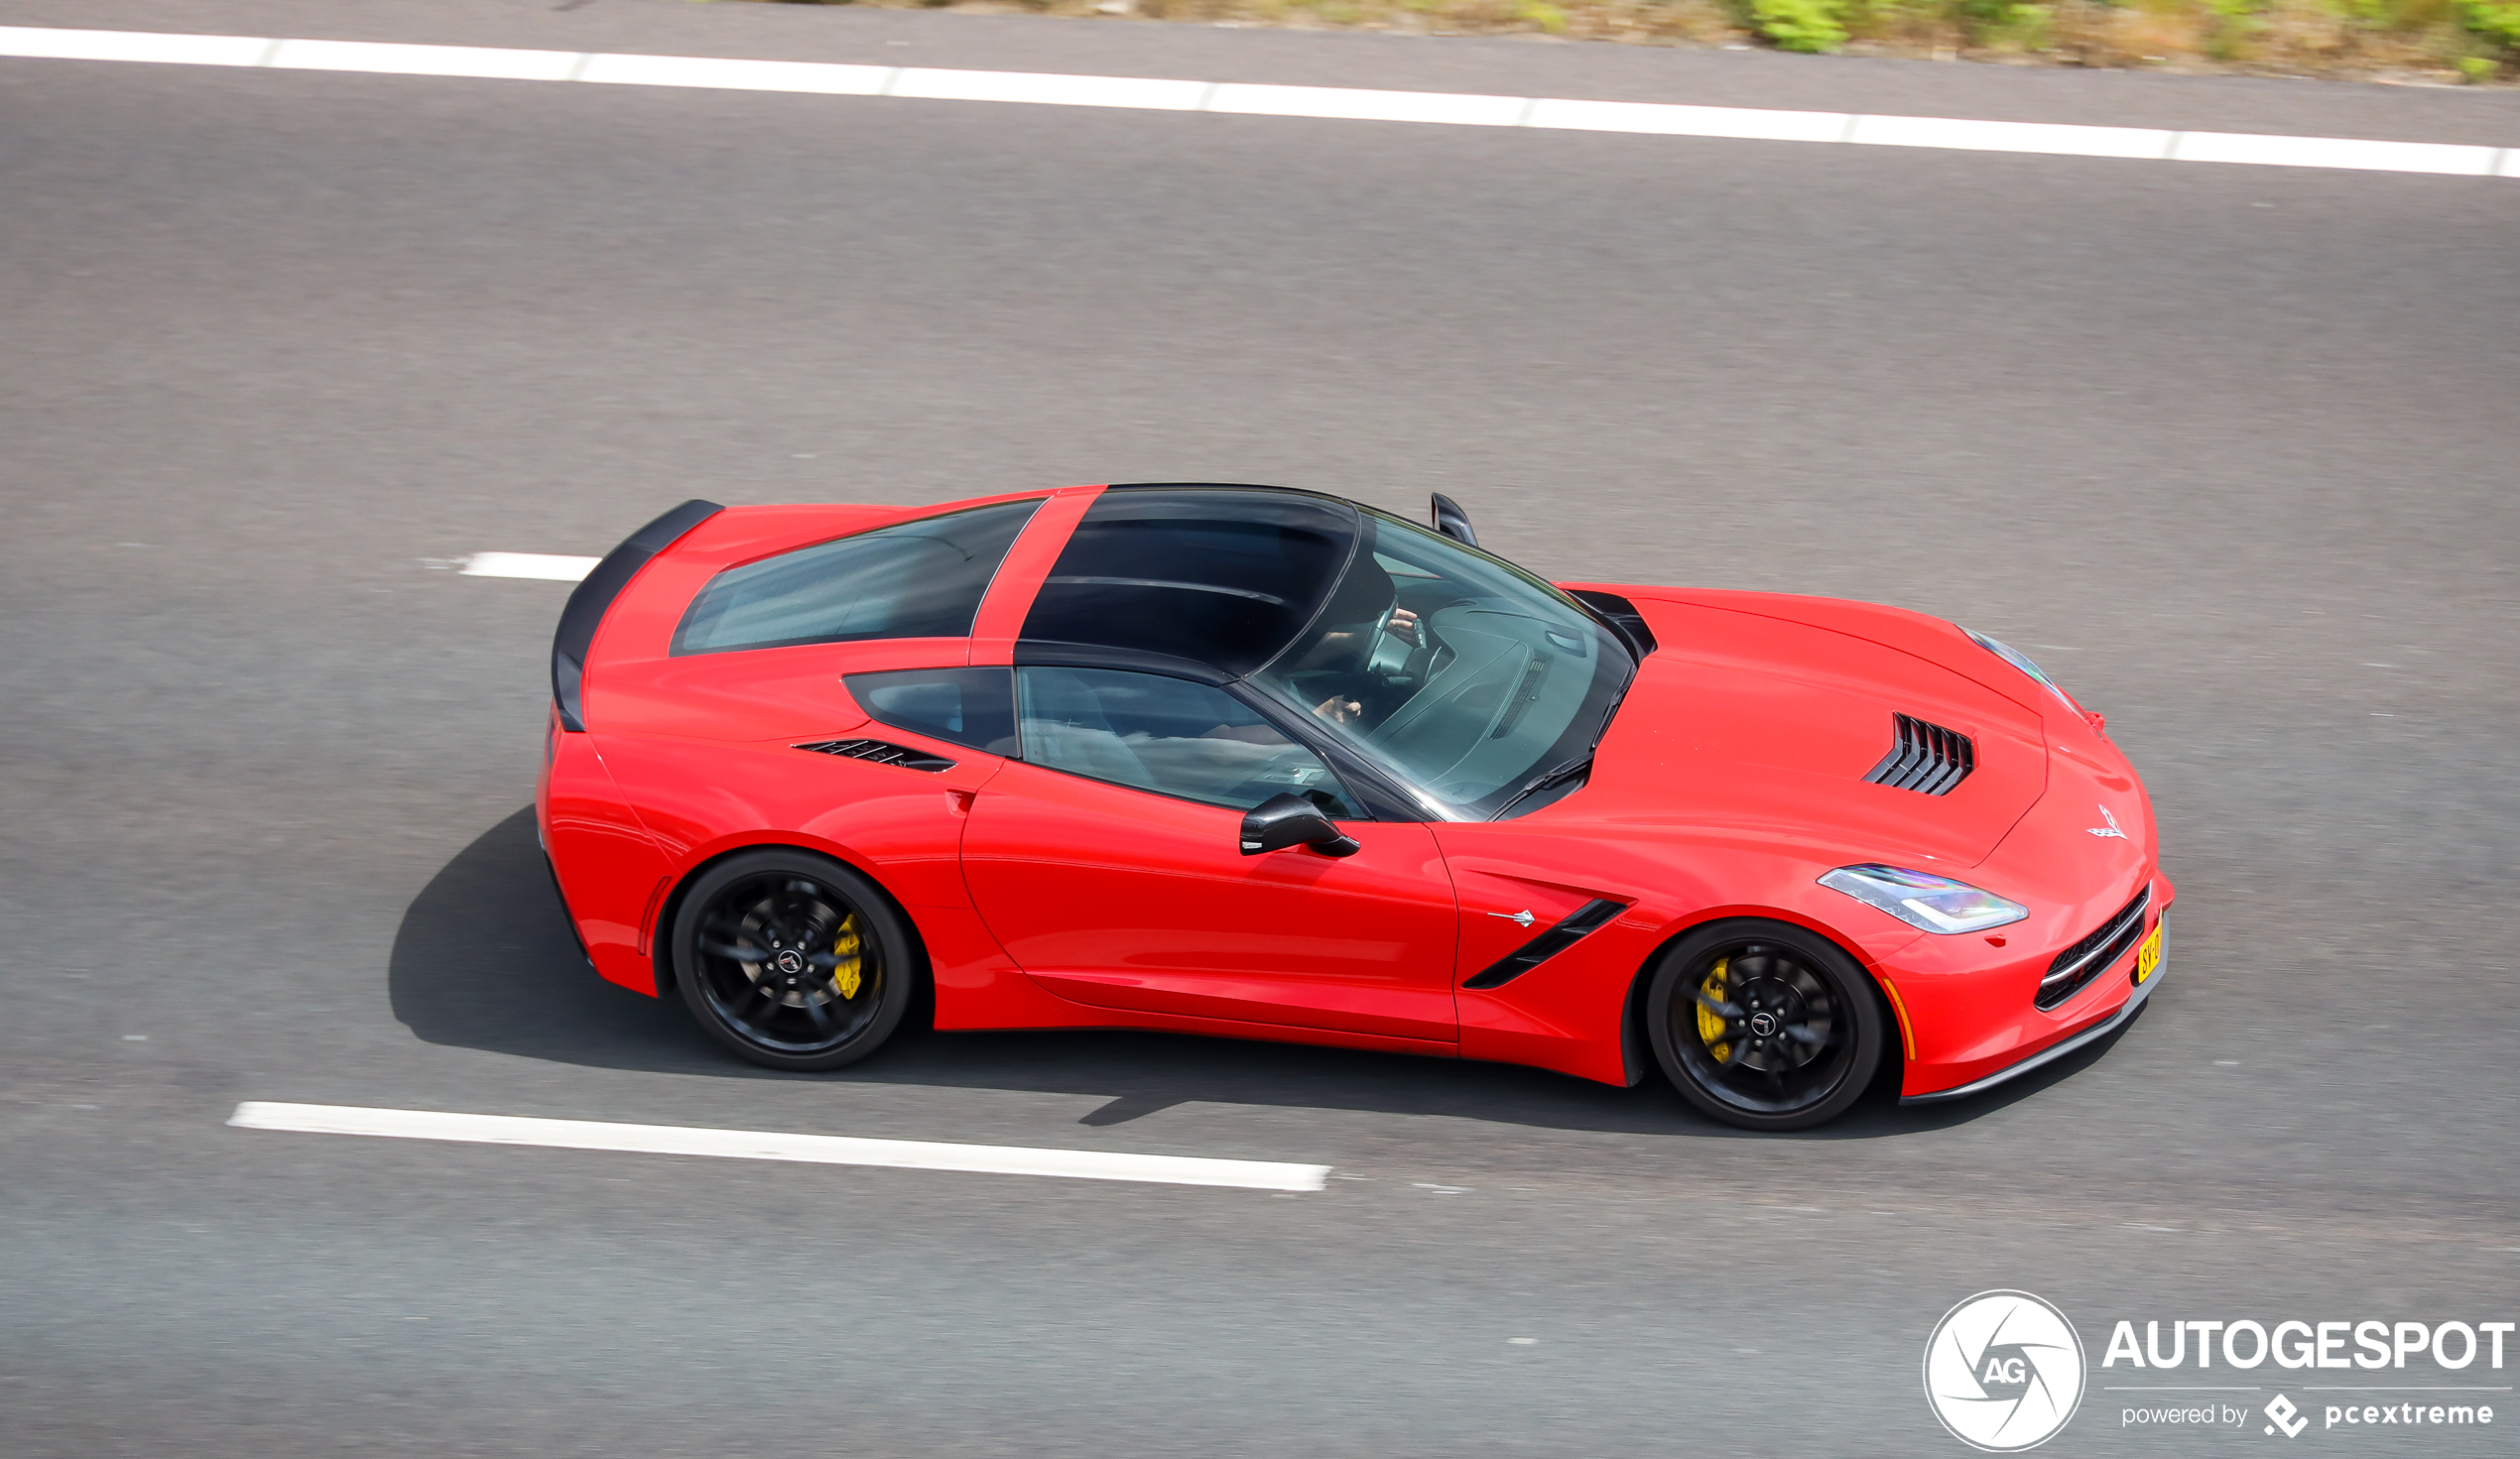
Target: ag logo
{"points": [[2003, 1371]]}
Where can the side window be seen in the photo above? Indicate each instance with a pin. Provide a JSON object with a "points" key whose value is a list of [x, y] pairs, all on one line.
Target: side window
{"points": [[912, 580], [1166, 735], [967, 706]]}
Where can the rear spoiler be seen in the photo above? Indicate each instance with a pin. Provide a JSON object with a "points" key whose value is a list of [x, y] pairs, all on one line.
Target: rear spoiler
{"points": [[595, 595]]}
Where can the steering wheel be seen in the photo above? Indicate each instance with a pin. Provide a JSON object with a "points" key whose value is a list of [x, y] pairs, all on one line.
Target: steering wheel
{"points": [[1393, 652]]}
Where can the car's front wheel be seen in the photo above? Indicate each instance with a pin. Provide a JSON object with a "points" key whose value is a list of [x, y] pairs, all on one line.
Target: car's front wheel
{"points": [[792, 959], [1765, 1026]]}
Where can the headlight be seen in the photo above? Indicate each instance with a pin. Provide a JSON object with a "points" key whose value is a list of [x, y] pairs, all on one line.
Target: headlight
{"points": [[1923, 899], [2021, 660]]}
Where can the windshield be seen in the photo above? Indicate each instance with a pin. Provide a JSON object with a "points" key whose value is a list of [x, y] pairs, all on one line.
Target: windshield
{"points": [[1462, 675]]}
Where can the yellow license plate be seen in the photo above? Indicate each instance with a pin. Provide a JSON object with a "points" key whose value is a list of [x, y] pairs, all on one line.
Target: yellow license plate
{"points": [[2148, 956]]}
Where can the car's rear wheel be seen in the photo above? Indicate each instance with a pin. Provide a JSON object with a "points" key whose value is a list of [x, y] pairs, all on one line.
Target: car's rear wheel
{"points": [[792, 960], [1764, 1024]]}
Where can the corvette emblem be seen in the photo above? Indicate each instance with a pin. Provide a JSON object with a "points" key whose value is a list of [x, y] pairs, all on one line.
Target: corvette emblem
{"points": [[2111, 828], [1523, 917]]}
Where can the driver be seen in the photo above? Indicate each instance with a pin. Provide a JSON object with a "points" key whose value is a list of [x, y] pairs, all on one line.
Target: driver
{"points": [[1364, 606], [1346, 651], [1337, 650], [1350, 650]]}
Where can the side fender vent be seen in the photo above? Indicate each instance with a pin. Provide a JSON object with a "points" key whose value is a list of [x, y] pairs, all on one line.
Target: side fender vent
{"points": [[882, 752], [1583, 923], [1925, 757]]}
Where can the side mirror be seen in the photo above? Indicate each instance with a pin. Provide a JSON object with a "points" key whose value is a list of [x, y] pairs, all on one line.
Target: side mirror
{"points": [[1453, 522], [1288, 819]]}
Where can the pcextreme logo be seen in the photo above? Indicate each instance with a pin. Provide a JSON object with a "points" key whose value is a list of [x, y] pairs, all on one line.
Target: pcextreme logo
{"points": [[2005, 1371]]}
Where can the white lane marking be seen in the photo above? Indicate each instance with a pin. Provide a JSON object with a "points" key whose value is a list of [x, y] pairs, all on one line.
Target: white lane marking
{"points": [[1341, 103], [759, 1144], [1654, 118], [549, 566], [2038, 136], [170, 50], [486, 62], [736, 75], [2335, 152], [1047, 90], [1138, 93]]}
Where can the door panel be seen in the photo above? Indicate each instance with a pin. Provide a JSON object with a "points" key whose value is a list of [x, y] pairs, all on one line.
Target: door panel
{"points": [[1123, 898]]}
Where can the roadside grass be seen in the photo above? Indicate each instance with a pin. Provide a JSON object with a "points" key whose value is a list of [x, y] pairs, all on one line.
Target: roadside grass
{"points": [[2439, 41]]}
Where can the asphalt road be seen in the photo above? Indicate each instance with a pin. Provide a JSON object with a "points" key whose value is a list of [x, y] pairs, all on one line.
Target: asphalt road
{"points": [[2230, 449]]}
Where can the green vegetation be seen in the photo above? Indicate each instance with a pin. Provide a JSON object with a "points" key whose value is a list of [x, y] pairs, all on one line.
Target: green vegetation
{"points": [[1799, 25], [2476, 40]]}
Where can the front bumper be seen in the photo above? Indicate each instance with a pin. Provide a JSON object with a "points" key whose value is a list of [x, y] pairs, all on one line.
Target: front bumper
{"points": [[1967, 1012], [2104, 1028]]}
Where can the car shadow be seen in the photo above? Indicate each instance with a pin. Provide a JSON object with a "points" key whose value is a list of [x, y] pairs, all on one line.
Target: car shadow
{"points": [[483, 959]]}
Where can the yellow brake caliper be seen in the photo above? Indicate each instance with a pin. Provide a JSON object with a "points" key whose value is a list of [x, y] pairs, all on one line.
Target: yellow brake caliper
{"points": [[1710, 1023], [846, 948]]}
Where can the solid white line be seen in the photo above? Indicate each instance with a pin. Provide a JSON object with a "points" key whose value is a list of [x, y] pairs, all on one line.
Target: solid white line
{"points": [[1341, 103], [1049, 90], [1656, 119], [734, 75], [1337, 103], [548, 566], [171, 50], [2335, 152], [2039, 137], [759, 1144], [425, 61]]}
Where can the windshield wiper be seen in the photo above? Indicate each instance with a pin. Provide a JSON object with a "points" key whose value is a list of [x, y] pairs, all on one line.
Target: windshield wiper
{"points": [[1541, 782]]}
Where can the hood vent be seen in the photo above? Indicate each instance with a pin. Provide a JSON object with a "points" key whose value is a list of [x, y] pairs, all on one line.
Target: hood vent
{"points": [[1925, 757], [881, 751]]}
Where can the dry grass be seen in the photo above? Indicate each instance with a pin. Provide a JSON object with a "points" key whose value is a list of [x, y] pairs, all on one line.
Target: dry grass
{"points": [[2476, 41]]}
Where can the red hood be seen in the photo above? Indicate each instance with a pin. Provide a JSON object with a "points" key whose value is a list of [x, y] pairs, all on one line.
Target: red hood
{"points": [[1761, 714]]}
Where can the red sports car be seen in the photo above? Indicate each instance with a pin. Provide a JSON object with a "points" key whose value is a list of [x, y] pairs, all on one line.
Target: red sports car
{"points": [[1263, 763]]}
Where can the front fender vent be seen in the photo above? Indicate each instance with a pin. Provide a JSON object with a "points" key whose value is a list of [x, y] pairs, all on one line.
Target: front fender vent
{"points": [[1925, 757], [1583, 923], [882, 752]]}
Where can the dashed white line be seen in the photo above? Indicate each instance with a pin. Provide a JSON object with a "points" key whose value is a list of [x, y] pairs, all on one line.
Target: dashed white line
{"points": [[1139, 93], [549, 566], [760, 1144]]}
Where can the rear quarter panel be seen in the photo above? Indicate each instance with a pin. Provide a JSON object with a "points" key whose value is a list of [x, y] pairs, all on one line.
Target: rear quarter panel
{"points": [[699, 757]]}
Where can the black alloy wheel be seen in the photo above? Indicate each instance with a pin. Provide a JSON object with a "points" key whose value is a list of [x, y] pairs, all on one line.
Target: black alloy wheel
{"points": [[1765, 1026], [792, 960]]}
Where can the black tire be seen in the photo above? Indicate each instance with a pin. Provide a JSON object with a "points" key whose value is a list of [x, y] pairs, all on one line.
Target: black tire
{"points": [[789, 1004], [1765, 1026]]}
